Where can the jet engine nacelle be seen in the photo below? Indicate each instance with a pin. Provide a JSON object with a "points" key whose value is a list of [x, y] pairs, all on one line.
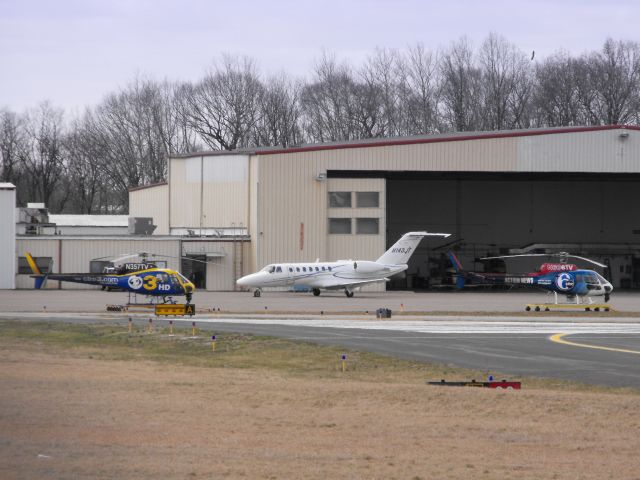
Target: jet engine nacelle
{"points": [[365, 266]]}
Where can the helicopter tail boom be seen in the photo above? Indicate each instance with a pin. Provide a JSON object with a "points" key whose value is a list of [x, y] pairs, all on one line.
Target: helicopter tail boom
{"points": [[40, 278], [459, 271]]}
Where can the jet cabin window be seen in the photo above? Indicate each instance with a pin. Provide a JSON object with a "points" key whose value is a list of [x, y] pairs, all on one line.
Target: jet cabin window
{"points": [[278, 269]]}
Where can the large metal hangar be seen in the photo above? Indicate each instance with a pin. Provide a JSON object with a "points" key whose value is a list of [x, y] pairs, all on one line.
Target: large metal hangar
{"points": [[573, 188]]}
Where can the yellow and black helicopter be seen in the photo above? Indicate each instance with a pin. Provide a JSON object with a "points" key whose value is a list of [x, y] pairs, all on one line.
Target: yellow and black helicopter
{"points": [[143, 277]]}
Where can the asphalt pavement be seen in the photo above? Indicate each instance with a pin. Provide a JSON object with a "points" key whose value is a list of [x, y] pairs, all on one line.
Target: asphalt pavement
{"points": [[481, 330]]}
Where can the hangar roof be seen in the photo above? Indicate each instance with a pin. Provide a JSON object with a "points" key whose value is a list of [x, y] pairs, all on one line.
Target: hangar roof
{"points": [[413, 140]]}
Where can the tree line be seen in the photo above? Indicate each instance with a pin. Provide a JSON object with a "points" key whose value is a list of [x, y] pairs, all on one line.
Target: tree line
{"points": [[86, 164]]}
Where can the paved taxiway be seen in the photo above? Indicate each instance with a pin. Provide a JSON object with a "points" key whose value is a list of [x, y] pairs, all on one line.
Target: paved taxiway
{"points": [[597, 352], [596, 348]]}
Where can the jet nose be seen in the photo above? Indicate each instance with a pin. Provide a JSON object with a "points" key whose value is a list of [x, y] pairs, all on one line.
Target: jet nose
{"points": [[244, 281]]}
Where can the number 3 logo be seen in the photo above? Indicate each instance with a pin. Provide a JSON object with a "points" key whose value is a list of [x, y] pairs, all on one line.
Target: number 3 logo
{"points": [[150, 282]]}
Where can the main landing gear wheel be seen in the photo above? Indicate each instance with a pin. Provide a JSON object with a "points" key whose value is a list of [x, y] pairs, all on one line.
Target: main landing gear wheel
{"points": [[257, 293], [348, 293], [316, 292]]}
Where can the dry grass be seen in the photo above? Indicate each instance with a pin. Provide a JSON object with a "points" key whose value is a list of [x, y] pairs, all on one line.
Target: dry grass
{"points": [[96, 406]]}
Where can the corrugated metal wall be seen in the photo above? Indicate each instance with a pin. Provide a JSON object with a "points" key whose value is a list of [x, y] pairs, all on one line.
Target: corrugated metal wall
{"points": [[209, 191], [7, 237], [152, 202]]}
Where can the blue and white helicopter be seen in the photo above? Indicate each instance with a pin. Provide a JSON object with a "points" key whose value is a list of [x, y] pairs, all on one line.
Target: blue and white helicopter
{"points": [[159, 284], [578, 284]]}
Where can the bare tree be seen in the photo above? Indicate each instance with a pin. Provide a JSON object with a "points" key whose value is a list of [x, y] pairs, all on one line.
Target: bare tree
{"points": [[42, 157], [557, 96], [279, 114], [11, 143], [418, 85], [615, 73], [380, 77], [223, 108], [326, 101], [134, 131], [86, 176], [504, 81], [461, 88]]}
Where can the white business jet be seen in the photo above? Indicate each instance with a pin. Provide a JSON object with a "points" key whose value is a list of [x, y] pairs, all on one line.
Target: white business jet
{"points": [[347, 275]]}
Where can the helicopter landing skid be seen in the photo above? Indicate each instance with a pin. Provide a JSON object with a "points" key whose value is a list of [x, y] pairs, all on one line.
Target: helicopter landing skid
{"points": [[587, 307], [151, 302]]}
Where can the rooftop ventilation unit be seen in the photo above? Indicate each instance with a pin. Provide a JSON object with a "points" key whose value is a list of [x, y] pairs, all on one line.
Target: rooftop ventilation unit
{"points": [[141, 225]]}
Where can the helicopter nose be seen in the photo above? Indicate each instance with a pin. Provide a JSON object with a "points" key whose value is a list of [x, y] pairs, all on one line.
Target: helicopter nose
{"points": [[189, 287]]}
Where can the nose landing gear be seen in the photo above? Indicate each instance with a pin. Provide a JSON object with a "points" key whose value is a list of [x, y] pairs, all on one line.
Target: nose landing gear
{"points": [[257, 292]]}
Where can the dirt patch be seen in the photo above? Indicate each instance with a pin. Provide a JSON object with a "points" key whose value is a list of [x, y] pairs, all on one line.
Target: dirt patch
{"points": [[66, 415]]}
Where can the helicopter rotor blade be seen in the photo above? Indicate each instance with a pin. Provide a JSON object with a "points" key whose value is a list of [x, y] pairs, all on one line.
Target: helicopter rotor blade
{"points": [[520, 255], [589, 260], [560, 255]]}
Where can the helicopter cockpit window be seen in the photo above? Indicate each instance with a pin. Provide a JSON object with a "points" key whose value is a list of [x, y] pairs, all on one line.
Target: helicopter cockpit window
{"points": [[183, 278], [603, 280], [591, 279], [163, 278]]}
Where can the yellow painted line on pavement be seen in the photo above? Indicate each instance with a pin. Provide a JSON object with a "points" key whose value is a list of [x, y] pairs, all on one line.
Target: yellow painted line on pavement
{"points": [[557, 338]]}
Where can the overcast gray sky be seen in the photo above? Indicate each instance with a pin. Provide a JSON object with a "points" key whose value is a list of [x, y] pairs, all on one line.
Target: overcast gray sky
{"points": [[73, 52]]}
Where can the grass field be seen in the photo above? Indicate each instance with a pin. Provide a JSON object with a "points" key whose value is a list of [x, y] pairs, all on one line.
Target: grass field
{"points": [[100, 402]]}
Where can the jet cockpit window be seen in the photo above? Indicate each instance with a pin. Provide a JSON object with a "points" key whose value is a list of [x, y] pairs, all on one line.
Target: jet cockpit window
{"points": [[269, 269]]}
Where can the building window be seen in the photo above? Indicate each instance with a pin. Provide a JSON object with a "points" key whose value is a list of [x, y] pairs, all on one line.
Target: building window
{"points": [[367, 226], [367, 199], [339, 199], [43, 264], [340, 225]]}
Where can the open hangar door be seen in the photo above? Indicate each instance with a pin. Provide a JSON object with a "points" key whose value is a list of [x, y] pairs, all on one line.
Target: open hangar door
{"points": [[594, 215]]}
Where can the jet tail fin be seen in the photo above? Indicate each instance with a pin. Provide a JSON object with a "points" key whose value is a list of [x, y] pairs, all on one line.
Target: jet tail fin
{"points": [[457, 267], [40, 278], [402, 250]]}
